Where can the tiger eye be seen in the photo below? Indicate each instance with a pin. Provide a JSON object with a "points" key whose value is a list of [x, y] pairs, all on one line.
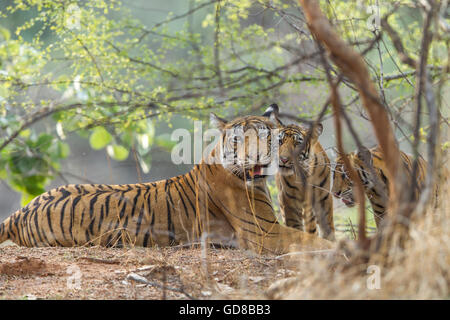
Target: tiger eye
{"points": [[298, 138], [281, 136], [235, 138]]}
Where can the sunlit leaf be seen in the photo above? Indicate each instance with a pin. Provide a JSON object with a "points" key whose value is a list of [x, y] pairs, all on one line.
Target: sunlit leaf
{"points": [[117, 152], [99, 138]]}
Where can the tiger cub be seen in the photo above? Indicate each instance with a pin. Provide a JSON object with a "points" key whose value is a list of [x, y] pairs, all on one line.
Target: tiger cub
{"points": [[293, 194], [376, 191]]}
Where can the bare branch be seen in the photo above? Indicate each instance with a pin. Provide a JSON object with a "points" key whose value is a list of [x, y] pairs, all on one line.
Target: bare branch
{"points": [[217, 49], [398, 45]]}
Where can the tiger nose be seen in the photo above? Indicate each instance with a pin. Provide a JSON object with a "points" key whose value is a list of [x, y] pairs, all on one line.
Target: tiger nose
{"points": [[283, 159]]}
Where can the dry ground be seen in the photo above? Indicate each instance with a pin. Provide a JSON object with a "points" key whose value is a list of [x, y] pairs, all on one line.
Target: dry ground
{"points": [[420, 271], [173, 273]]}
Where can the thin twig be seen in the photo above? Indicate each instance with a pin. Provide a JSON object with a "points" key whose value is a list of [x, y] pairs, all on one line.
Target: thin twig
{"points": [[141, 279], [97, 260]]}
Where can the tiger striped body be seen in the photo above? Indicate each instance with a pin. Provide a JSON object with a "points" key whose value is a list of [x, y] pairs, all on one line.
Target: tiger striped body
{"points": [[159, 213], [376, 188], [303, 205], [213, 200]]}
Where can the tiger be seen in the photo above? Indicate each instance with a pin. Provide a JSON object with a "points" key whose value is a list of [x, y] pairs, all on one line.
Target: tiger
{"points": [[292, 193], [376, 188], [218, 201]]}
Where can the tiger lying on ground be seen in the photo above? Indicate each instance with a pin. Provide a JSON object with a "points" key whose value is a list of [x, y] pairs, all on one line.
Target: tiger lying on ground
{"points": [[292, 193], [218, 200], [378, 197]]}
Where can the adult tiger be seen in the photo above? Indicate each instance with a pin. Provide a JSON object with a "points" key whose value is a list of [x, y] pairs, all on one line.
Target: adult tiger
{"points": [[221, 200], [292, 196], [376, 188]]}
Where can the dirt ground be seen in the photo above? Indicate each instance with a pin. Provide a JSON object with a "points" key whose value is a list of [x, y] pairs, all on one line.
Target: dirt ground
{"points": [[137, 273]]}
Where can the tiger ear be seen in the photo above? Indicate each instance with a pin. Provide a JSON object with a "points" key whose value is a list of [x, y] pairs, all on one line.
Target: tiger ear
{"points": [[217, 121], [272, 113], [365, 155], [318, 129], [273, 108]]}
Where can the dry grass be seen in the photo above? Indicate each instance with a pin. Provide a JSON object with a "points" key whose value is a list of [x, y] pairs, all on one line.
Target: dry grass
{"points": [[421, 271], [173, 273]]}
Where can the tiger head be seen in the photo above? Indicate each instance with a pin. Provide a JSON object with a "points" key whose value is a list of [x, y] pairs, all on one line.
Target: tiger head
{"points": [[342, 184], [245, 147], [293, 139]]}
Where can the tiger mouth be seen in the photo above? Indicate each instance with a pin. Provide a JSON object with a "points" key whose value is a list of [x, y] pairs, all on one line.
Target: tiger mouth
{"points": [[348, 202], [345, 197], [255, 173], [286, 169]]}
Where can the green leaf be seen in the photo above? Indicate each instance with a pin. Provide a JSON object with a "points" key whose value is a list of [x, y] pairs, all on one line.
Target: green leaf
{"points": [[3, 174], [127, 138], [100, 138], [44, 142], [25, 133], [34, 185], [26, 198], [21, 165], [64, 150], [117, 152], [4, 34]]}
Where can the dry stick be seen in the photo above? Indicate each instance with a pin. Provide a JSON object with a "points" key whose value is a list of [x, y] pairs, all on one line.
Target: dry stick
{"points": [[141, 279], [360, 198], [420, 88], [405, 58], [436, 118], [432, 143], [352, 230], [424, 86], [97, 260], [217, 49], [164, 280], [204, 257], [398, 45], [301, 253], [433, 140]]}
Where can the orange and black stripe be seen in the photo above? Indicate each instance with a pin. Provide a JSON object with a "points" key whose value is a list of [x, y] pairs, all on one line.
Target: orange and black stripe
{"points": [[376, 188], [305, 206]]}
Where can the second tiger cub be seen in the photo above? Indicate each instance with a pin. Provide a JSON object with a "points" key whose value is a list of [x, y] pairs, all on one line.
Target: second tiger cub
{"points": [[292, 193]]}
